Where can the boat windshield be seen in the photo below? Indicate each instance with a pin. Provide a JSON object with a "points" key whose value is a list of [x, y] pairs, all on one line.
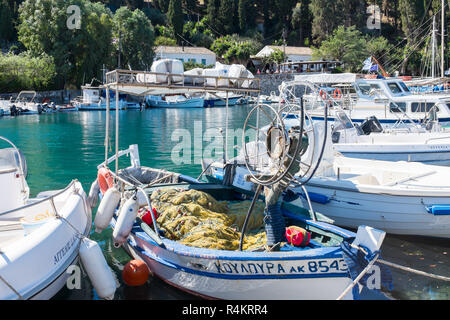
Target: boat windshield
{"points": [[404, 86], [394, 87], [344, 121], [365, 88], [8, 158]]}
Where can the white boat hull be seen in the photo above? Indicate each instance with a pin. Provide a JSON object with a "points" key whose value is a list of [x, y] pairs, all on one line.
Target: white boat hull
{"points": [[49, 250], [429, 154], [395, 214], [244, 279]]}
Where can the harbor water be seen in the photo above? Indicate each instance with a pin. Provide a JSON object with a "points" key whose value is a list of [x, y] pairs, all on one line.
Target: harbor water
{"points": [[60, 147]]}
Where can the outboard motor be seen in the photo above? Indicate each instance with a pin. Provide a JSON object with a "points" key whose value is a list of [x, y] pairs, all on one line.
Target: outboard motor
{"points": [[371, 125], [14, 111], [39, 108]]}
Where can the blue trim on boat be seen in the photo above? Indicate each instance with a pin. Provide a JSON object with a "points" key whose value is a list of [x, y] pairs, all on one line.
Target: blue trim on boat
{"points": [[291, 116], [184, 250], [439, 209], [172, 265], [395, 152]]}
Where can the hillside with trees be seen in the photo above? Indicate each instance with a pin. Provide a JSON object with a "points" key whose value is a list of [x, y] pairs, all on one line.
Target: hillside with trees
{"points": [[34, 34]]}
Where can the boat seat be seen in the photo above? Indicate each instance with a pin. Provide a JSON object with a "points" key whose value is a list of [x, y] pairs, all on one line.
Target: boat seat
{"points": [[366, 179]]}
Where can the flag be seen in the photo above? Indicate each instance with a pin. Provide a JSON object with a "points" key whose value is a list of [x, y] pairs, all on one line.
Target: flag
{"points": [[367, 64], [374, 67]]}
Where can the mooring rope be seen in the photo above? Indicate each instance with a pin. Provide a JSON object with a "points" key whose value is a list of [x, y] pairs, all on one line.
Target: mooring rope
{"points": [[422, 273]]}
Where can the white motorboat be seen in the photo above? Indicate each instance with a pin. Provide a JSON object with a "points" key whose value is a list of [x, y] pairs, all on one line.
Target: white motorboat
{"points": [[389, 99], [25, 104], [93, 101], [401, 197], [40, 237], [371, 141]]}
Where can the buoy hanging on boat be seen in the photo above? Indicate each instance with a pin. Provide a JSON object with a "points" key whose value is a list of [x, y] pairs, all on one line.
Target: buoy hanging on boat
{"points": [[105, 179], [106, 209], [297, 236], [124, 224], [93, 194], [97, 269], [135, 273], [141, 199], [147, 216]]}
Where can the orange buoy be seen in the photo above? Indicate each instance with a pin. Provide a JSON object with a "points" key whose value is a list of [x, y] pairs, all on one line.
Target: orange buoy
{"points": [[337, 93], [105, 179], [297, 236], [135, 273]]}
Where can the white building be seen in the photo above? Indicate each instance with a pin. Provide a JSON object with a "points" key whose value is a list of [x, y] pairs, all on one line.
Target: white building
{"points": [[186, 54], [293, 54]]}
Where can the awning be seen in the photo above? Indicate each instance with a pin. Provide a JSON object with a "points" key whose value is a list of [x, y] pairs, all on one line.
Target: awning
{"points": [[327, 78]]}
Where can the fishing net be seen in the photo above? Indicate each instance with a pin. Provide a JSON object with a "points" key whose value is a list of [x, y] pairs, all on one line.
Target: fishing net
{"points": [[196, 219]]}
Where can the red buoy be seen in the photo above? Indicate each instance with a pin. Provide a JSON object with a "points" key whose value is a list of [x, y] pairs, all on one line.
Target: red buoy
{"points": [[147, 217], [135, 273], [297, 236]]}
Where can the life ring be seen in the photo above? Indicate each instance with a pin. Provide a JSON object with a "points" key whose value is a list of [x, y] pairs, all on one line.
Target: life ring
{"points": [[105, 179], [323, 94], [337, 93]]}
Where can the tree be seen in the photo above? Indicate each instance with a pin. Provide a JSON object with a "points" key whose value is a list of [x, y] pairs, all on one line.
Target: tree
{"points": [[284, 8], [175, 16], [325, 19], [346, 45], [7, 32], [235, 49], [163, 5], [225, 16], [301, 20], [78, 53], [136, 36], [242, 11], [26, 72], [212, 9], [276, 57]]}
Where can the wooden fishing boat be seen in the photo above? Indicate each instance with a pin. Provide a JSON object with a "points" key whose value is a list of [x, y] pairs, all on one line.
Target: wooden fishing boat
{"points": [[316, 271]]}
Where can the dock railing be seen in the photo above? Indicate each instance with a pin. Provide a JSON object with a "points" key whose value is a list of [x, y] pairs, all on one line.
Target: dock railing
{"points": [[148, 79]]}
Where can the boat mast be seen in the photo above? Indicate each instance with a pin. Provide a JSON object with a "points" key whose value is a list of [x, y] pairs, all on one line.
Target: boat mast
{"points": [[433, 47], [442, 37]]}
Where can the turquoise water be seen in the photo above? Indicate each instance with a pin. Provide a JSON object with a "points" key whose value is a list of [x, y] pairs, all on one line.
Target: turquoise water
{"points": [[60, 147]]}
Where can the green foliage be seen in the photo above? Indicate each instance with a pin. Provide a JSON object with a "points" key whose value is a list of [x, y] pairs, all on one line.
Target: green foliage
{"points": [[235, 49], [78, 53], [164, 41], [277, 57], [225, 16], [192, 65], [137, 38], [7, 31], [346, 45], [198, 33], [155, 16], [26, 72], [175, 17]]}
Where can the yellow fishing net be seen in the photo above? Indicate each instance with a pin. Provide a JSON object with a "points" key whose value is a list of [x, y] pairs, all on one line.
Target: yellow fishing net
{"points": [[196, 219]]}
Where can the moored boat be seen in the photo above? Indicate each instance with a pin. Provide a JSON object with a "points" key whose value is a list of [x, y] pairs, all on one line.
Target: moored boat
{"points": [[176, 101], [254, 273], [40, 238]]}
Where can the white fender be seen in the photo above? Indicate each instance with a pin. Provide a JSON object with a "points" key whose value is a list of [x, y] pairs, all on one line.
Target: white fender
{"points": [[124, 224], [97, 269], [93, 193], [141, 199], [106, 209]]}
